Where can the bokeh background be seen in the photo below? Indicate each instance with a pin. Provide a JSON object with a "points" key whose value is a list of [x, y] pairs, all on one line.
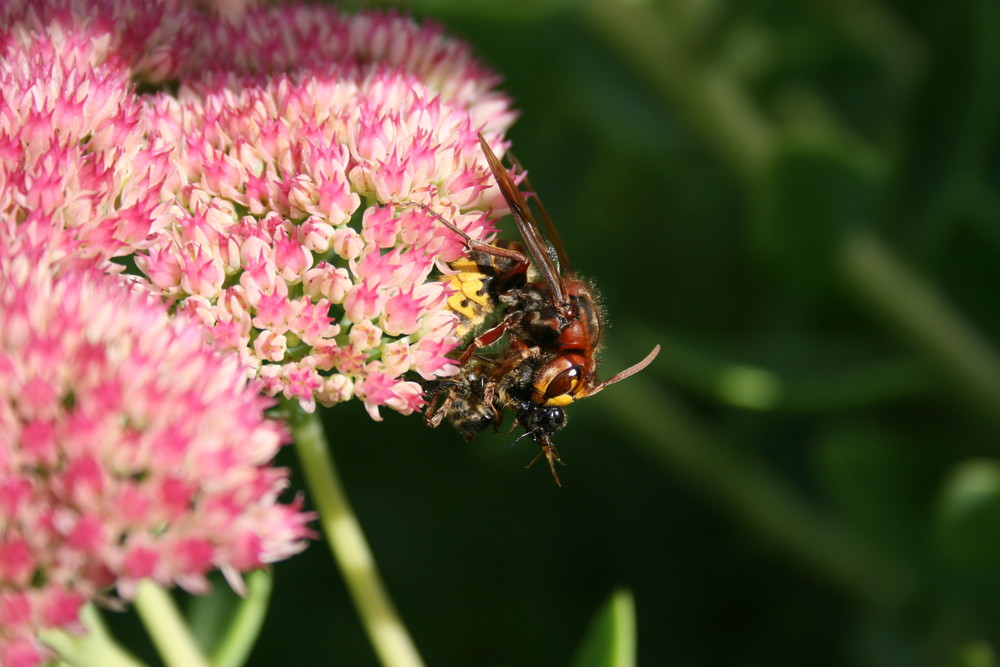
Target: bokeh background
{"points": [[800, 201]]}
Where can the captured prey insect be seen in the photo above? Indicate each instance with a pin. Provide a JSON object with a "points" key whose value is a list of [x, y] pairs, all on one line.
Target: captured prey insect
{"points": [[553, 324]]}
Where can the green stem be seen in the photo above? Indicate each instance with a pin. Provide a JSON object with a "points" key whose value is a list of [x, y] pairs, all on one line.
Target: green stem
{"points": [[97, 648], [749, 491], [167, 628], [386, 631], [244, 628], [920, 314]]}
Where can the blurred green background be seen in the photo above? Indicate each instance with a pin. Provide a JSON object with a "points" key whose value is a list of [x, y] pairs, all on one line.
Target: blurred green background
{"points": [[799, 201]]}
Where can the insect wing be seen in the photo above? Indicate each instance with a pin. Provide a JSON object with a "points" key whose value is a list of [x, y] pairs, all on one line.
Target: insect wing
{"points": [[548, 226], [537, 246]]}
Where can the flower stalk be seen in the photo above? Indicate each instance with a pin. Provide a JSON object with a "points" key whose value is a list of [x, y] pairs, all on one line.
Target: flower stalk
{"points": [[245, 625], [386, 631], [167, 627], [97, 648]]}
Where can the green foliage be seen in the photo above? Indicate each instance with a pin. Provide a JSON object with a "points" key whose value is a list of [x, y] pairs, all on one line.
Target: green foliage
{"points": [[814, 192], [610, 640], [969, 511]]}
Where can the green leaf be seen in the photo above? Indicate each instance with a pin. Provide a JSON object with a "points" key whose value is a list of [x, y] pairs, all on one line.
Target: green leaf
{"points": [[610, 640], [227, 624], [976, 653], [968, 516]]}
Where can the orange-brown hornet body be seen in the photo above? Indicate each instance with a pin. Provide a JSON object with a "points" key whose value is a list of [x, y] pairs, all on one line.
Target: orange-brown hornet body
{"points": [[554, 327]]}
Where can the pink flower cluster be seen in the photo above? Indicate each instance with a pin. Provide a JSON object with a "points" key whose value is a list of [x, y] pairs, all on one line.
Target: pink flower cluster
{"points": [[274, 199], [272, 195], [128, 450], [291, 232], [278, 200], [77, 174]]}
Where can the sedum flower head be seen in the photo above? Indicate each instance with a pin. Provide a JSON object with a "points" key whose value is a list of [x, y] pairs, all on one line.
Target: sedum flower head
{"points": [[272, 196], [302, 140], [77, 173], [128, 450]]}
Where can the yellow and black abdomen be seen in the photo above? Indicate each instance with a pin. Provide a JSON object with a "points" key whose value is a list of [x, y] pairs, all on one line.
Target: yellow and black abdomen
{"points": [[481, 279], [472, 301]]}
